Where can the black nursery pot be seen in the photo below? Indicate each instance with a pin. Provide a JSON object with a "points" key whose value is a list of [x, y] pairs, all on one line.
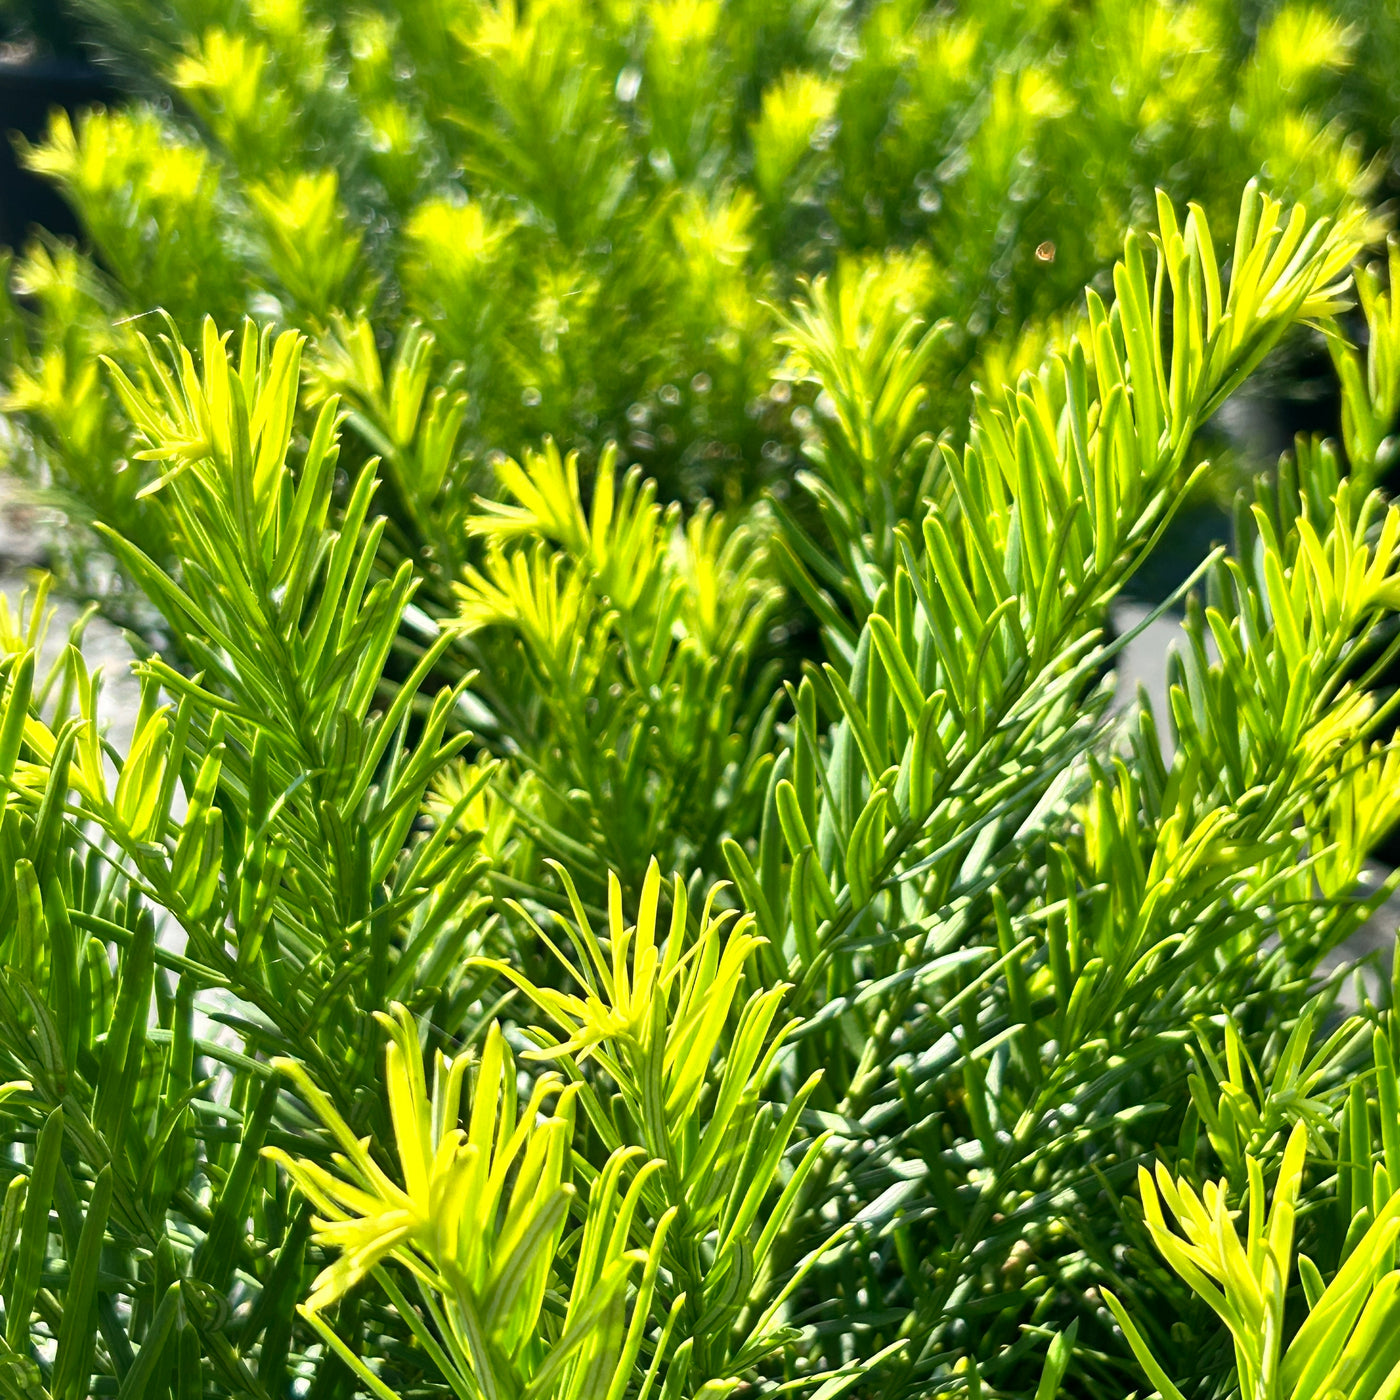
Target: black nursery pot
{"points": [[29, 93]]}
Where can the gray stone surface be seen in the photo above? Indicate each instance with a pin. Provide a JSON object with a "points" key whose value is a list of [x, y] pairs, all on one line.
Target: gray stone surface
{"points": [[23, 530], [1144, 662], [1374, 943]]}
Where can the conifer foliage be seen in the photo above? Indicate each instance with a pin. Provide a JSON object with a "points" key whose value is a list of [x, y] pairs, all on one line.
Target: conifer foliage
{"points": [[866, 1110], [551, 939]]}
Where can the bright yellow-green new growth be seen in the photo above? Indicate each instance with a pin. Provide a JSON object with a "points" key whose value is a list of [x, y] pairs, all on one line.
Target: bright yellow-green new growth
{"points": [[1349, 1346], [478, 1223], [641, 996]]}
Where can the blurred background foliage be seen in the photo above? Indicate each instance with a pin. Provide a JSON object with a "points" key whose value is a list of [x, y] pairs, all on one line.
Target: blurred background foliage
{"points": [[576, 219], [515, 235]]}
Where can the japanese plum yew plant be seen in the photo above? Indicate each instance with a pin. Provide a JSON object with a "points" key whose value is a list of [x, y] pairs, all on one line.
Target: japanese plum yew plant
{"points": [[581, 219], [554, 993]]}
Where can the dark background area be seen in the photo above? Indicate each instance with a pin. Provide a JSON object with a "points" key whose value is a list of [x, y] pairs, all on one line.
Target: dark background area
{"points": [[42, 66]]}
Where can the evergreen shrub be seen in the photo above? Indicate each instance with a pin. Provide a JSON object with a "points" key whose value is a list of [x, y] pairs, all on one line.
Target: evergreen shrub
{"points": [[578, 918]]}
